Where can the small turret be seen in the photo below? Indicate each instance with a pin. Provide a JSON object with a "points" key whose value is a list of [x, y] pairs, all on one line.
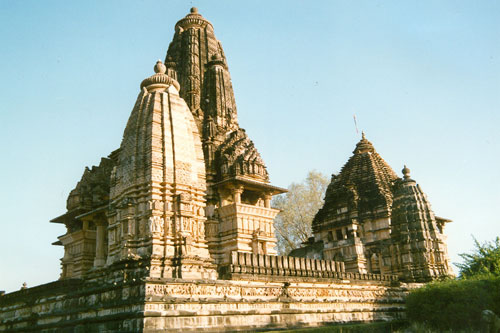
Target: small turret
{"points": [[418, 245]]}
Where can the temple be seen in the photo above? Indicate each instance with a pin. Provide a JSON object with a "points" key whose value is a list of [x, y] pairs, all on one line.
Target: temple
{"points": [[376, 222], [174, 229], [185, 174]]}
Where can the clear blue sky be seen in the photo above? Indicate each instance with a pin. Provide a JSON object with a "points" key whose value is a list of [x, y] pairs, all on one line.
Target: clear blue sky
{"points": [[422, 77]]}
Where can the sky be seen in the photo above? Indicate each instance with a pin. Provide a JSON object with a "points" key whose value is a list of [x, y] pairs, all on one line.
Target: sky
{"points": [[422, 78]]}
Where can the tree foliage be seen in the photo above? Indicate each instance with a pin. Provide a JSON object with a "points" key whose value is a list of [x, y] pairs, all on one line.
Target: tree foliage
{"points": [[458, 303], [453, 304], [298, 207], [483, 261]]}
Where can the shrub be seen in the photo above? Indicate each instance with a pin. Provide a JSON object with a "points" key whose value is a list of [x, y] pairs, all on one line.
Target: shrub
{"points": [[454, 304], [484, 260]]}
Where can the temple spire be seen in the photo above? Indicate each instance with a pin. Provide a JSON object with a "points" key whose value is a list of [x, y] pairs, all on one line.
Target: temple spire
{"points": [[189, 54], [364, 145], [406, 173]]}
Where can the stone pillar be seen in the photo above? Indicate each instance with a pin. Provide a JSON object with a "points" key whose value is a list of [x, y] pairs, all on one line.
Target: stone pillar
{"points": [[237, 194], [100, 242], [255, 244], [381, 264], [267, 200]]}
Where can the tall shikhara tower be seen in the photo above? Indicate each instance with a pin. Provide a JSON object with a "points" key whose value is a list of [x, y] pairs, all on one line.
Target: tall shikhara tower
{"points": [[187, 187], [239, 213]]}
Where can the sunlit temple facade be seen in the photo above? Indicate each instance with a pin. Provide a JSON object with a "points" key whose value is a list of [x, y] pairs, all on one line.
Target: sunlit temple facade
{"points": [[174, 231]]}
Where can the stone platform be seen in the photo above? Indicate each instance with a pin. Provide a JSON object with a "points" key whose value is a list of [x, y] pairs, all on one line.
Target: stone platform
{"points": [[171, 305]]}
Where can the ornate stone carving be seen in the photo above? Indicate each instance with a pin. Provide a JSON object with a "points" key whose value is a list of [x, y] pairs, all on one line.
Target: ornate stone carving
{"points": [[378, 222], [156, 224], [239, 157], [139, 235]]}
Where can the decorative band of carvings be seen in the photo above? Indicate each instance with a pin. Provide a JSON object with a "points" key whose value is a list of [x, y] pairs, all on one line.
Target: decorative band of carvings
{"points": [[338, 292], [261, 264]]}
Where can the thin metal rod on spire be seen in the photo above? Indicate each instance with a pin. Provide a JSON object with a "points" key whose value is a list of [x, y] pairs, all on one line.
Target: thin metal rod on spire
{"points": [[355, 123]]}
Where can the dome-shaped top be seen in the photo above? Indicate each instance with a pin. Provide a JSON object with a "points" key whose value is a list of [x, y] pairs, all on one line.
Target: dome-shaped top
{"points": [[160, 79], [193, 19]]}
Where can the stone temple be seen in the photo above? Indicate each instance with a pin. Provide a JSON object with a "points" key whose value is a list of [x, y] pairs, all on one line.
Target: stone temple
{"points": [[174, 229], [373, 221]]}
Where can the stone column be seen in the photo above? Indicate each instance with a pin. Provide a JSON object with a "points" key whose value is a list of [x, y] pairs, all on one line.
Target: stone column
{"points": [[100, 242], [267, 200], [381, 264], [237, 194]]}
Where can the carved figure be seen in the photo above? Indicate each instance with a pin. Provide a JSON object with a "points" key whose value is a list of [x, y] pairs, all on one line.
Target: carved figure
{"points": [[186, 246], [155, 224]]}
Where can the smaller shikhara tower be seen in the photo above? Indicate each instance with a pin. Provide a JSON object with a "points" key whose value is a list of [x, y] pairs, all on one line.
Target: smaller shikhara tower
{"points": [[376, 222], [187, 188]]}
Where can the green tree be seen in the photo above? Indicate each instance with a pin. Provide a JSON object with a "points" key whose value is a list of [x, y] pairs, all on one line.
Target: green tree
{"points": [[298, 207], [484, 260]]}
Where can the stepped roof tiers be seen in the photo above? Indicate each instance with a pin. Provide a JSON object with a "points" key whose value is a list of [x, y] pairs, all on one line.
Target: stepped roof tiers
{"points": [[174, 229], [187, 186], [376, 222]]}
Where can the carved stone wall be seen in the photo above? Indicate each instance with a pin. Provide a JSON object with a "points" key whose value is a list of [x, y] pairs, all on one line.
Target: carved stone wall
{"points": [[172, 305], [158, 186], [85, 204]]}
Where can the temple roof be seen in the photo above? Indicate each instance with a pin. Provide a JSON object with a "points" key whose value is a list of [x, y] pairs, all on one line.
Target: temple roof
{"points": [[160, 142], [196, 59], [364, 184], [192, 52], [239, 157], [412, 215], [193, 19]]}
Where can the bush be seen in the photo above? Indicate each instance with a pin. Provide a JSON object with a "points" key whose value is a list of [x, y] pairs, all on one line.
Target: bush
{"points": [[484, 260], [454, 304]]}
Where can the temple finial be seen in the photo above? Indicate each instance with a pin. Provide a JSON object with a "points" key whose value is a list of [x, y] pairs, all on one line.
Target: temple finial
{"points": [[194, 10], [406, 172], [160, 67], [363, 145], [160, 80]]}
